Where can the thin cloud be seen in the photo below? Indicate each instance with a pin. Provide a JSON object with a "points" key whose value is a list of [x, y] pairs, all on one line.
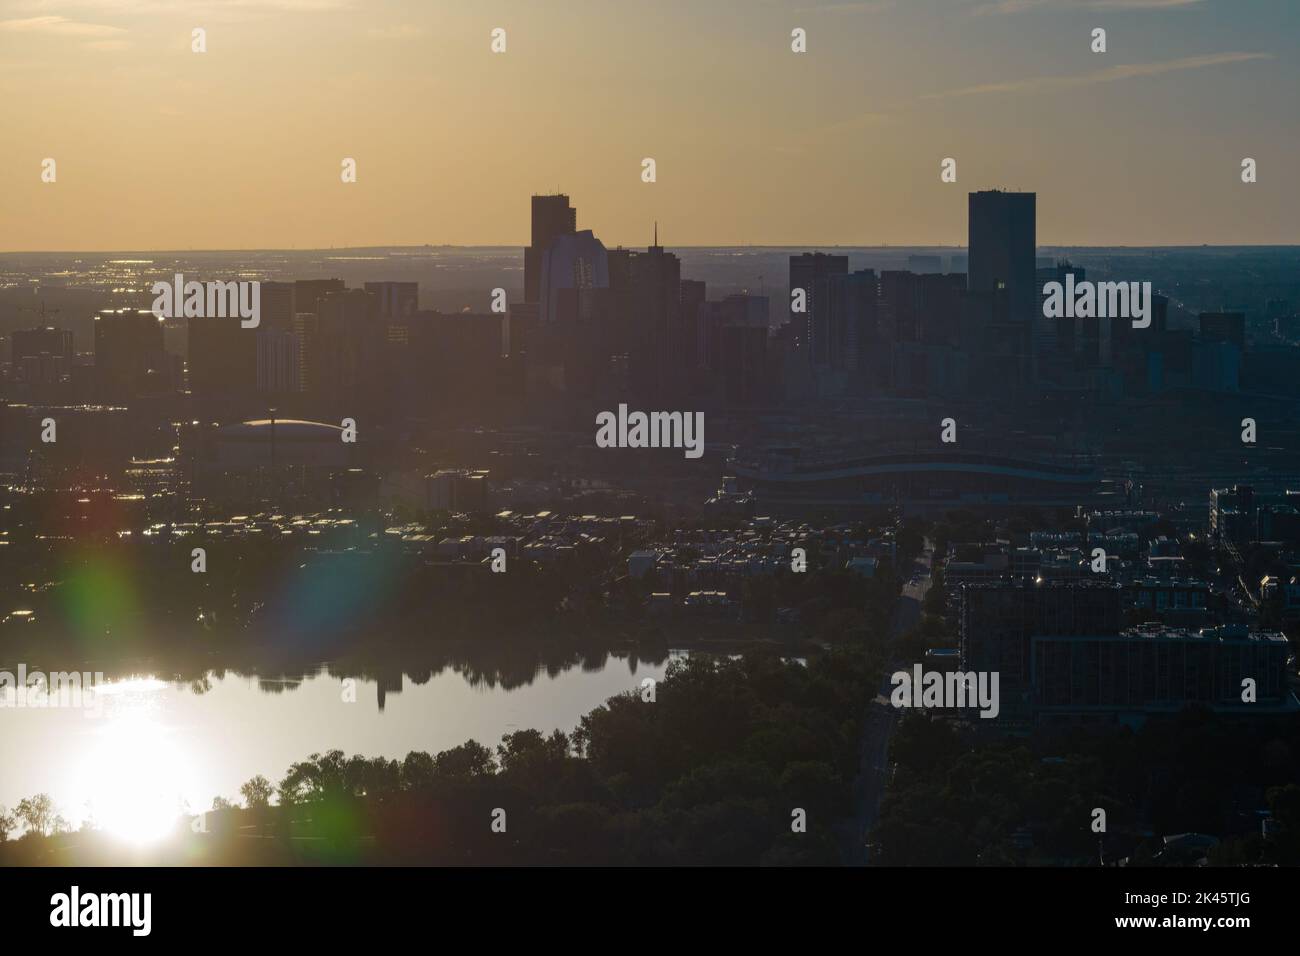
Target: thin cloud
{"points": [[58, 26], [1128, 71]]}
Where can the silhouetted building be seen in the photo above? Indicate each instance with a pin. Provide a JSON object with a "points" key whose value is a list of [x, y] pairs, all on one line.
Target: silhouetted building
{"points": [[806, 271], [350, 360], [452, 362], [41, 341], [222, 358], [306, 326], [552, 216], [1002, 244], [1157, 669], [395, 300], [572, 261], [1224, 327], [1232, 515], [278, 306], [849, 347], [735, 344], [694, 296], [41, 356], [308, 293], [647, 300], [998, 622], [129, 356], [279, 357]]}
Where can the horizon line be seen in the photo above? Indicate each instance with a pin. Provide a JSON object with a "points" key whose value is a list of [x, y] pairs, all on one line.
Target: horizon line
{"points": [[765, 245]]}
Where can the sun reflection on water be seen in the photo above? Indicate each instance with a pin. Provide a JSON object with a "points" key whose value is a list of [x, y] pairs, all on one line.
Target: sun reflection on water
{"points": [[135, 776]]}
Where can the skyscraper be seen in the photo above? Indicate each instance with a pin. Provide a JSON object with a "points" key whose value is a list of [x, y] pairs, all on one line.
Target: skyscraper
{"points": [[1002, 248], [1003, 259], [805, 273], [41, 356], [397, 300], [351, 339], [222, 358], [129, 356], [646, 289], [307, 294], [552, 217], [571, 261]]}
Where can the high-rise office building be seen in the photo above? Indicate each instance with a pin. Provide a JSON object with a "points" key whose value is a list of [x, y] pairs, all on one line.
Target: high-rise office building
{"points": [[278, 357], [847, 319], [1001, 228], [694, 295], [278, 305], [222, 361], [573, 261], [1002, 263], [396, 300], [1066, 344], [552, 216], [351, 349], [307, 294], [41, 356], [807, 272], [735, 343], [646, 290], [129, 356]]}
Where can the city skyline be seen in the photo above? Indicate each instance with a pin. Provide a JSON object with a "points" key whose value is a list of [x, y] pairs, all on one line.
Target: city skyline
{"points": [[740, 433], [754, 144]]}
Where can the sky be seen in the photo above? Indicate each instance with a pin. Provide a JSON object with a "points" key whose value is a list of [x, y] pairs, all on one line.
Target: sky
{"points": [[157, 147]]}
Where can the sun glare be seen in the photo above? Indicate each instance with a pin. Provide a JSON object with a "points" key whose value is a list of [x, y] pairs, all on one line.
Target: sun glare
{"points": [[135, 779]]}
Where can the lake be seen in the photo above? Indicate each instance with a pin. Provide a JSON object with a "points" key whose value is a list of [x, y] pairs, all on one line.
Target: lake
{"points": [[158, 748]]}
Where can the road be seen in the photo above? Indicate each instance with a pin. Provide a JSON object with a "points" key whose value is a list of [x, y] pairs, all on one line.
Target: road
{"points": [[874, 769]]}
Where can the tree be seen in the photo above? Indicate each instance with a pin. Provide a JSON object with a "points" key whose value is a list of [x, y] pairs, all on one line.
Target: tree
{"points": [[7, 823], [37, 813], [256, 793], [470, 759]]}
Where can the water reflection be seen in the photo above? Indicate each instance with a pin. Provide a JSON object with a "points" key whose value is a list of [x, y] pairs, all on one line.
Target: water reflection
{"points": [[157, 748]]}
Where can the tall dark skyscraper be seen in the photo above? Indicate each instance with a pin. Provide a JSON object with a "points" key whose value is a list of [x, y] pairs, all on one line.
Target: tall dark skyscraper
{"points": [[807, 272], [646, 289], [129, 356], [552, 216], [1003, 247], [222, 358], [351, 339]]}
